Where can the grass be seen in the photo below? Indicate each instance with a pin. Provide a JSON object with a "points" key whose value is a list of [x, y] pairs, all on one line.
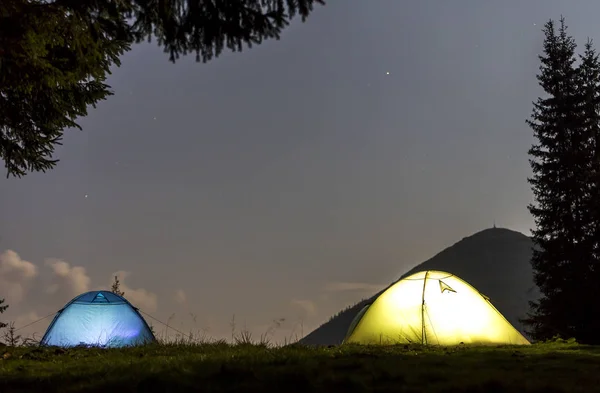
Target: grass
{"points": [[221, 367]]}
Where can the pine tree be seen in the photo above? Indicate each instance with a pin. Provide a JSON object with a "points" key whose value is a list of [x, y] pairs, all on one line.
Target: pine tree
{"points": [[2, 309], [589, 87], [55, 56], [116, 287], [54, 59], [594, 180], [558, 183]]}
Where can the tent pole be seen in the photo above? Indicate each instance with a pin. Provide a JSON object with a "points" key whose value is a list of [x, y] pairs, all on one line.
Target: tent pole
{"points": [[423, 331]]}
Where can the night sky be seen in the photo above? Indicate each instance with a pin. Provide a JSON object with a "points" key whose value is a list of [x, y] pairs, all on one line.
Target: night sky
{"points": [[294, 178]]}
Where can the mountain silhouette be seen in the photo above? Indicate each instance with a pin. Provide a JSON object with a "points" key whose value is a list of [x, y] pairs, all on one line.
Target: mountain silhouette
{"points": [[495, 261]]}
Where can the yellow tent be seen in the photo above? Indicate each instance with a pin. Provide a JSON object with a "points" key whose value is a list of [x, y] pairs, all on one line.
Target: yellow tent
{"points": [[432, 307]]}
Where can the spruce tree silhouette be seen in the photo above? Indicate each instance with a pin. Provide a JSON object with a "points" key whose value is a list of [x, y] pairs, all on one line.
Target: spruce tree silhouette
{"points": [[55, 56], [565, 123], [587, 311], [116, 287]]}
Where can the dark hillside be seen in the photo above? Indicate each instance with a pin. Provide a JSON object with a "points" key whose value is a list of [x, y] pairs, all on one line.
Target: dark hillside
{"points": [[495, 261]]}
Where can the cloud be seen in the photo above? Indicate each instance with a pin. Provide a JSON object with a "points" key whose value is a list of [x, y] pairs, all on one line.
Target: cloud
{"points": [[15, 275], [308, 306], [353, 286], [140, 297], [72, 278], [180, 296]]}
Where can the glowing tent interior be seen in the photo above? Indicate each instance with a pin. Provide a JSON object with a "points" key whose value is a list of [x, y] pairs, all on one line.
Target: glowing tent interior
{"points": [[432, 307], [98, 318]]}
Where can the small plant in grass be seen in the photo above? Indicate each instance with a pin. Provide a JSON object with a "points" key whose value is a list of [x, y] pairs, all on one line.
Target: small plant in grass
{"points": [[30, 341], [244, 338], [232, 326], [11, 338]]}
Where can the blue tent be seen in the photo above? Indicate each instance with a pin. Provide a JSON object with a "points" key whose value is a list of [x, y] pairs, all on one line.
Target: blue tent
{"points": [[98, 318]]}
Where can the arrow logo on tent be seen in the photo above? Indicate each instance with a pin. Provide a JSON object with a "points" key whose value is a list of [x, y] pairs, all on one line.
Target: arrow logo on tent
{"points": [[445, 287]]}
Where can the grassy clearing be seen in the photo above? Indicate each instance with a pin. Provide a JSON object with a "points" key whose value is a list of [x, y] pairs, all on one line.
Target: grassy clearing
{"points": [[220, 367]]}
